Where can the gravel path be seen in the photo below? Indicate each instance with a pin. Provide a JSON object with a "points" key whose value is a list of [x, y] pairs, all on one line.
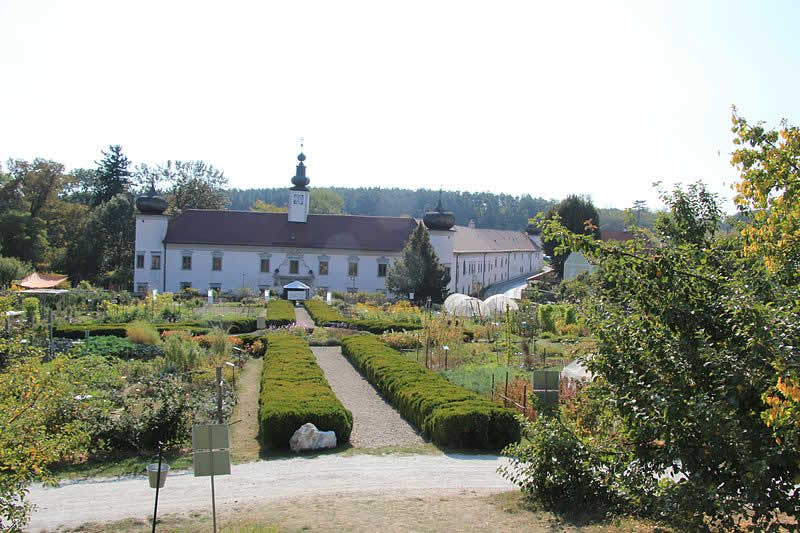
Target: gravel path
{"points": [[302, 318], [244, 431], [262, 482], [375, 422]]}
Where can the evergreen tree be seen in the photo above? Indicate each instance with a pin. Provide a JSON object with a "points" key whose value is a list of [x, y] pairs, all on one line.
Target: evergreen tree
{"points": [[112, 176], [418, 270], [574, 212]]}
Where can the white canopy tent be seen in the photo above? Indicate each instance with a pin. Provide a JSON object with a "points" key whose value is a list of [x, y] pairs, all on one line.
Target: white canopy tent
{"points": [[497, 304]]}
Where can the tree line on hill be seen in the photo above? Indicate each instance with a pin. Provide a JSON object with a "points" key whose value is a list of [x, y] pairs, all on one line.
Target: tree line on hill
{"points": [[486, 209]]}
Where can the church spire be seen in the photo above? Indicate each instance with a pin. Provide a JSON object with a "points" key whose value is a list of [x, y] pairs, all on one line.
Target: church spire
{"points": [[300, 181]]}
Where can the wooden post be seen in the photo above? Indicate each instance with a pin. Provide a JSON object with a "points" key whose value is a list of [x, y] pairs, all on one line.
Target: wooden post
{"points": [[50, 332], [219, 395], [492, 386], [525, 400], [445, 359], [505, 395]]}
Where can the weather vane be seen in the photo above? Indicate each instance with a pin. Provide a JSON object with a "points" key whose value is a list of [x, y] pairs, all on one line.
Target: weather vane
{"points": [[301, 143]]}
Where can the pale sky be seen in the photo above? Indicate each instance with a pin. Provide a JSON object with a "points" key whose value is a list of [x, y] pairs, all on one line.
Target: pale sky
{"points": [[544, 98]]}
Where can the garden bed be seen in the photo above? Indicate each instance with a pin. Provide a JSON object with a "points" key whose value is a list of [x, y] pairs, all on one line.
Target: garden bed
{"points": [[325, 315], [294, 391], [447, 414]]}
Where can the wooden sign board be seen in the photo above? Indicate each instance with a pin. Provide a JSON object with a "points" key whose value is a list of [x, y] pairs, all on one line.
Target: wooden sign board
{"points": [[207, 463], [210, 437]]}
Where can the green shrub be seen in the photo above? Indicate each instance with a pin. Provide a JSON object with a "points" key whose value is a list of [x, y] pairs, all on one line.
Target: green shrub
{"points": [[547, 318], [116, 347], [31, 306], [142, 333], [382, 326], [294, 391], [279, 313], [323, 313], [181, 354], [448, 414], [557, 469], [78, 331], [232, 323]]}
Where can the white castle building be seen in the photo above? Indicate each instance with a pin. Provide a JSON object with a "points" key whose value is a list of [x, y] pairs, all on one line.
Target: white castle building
{"points": [[228, 250]]}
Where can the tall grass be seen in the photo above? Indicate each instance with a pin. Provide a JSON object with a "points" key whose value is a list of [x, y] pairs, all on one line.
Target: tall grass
{"points": [[142, 333]]}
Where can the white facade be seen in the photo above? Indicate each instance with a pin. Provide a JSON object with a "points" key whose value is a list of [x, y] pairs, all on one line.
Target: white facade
{"points": [[149, 252], [477, 270], [482, 258], [260, 268]]}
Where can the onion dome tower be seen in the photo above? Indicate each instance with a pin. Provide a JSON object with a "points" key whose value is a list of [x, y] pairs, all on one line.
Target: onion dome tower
{"points": [[439, 219], [151, 203], [300, 181], [298, 193]]}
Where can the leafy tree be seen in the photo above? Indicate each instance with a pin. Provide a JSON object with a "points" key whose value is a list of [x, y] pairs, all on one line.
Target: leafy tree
{"points": [[418, 270], [578, 215], [187, 184], [693, 217], [39, 182], [104, 252], [23, 236], [325, 201], [767, 160], [12, 268], [33, 435], [81, 186], [687, 336], [112, 175], [264, 207]]}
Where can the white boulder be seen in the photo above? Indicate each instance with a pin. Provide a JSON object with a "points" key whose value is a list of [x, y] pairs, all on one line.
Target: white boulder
{"points": [[308, 437]]}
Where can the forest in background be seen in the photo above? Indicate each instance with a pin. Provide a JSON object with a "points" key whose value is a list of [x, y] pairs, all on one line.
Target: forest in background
{"points": [[488, 210]]}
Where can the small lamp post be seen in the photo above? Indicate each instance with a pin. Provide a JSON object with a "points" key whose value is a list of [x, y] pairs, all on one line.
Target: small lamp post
{"points": [[446, 349], [233, 366]]}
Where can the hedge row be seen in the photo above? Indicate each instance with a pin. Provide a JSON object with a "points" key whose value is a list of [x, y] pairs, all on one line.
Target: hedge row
{"points": [[447, 414], [280, 313], [232, 325], [294, 391], [323, 315]]}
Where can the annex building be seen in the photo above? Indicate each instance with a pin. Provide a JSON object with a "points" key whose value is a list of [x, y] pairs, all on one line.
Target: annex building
{"points": [[229, 250]]}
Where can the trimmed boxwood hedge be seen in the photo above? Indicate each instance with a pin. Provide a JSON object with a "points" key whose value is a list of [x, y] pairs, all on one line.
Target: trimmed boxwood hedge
{"points": [[447, 414], [324, 315], [294, 391], [118, 330], [280, 313]]}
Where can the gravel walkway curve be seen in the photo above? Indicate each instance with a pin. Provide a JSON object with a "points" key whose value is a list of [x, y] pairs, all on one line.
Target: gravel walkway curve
{"points": [[375, 422], [262, 482]]}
